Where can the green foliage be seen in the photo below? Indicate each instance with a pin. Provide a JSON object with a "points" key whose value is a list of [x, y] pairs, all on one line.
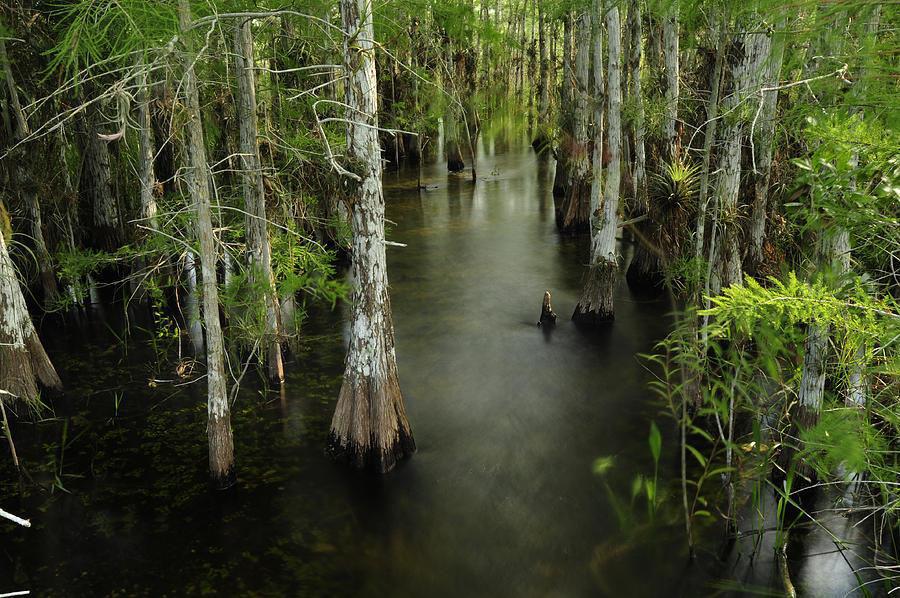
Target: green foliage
{"points": [[852, 180], [95, 32], [743, 310], [74, 267]]}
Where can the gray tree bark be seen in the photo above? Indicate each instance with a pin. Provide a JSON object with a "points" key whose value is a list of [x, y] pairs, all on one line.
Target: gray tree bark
{"points": [[369, 427], [23, 361], [221, 444], [259, 248], [575, 208], [764, 146], [145, 147], [672, 66], [21, 183], [596, 303]]}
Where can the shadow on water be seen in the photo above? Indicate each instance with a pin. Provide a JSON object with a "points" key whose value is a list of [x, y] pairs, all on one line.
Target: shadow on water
{"points": [[499, 500]]}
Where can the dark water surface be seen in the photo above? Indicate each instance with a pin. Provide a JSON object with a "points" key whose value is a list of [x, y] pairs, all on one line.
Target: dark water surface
{"points": [[500, 500]]}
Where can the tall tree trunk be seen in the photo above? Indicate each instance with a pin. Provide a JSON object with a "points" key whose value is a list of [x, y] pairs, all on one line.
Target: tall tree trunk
{"points": [[260, 255], [644, 271], [542, 139], [597, 103], [23, 361], [96, 185], [744, 75], [596, 303], [764, 146], [21, 183], [709, 137], [566, 117], [670, 52], [369, 427], [145, 148], [576, 206], [639, 166], [221, 444]]}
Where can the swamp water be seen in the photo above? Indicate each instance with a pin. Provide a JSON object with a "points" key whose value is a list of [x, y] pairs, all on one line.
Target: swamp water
{"points": [[500, 499]]}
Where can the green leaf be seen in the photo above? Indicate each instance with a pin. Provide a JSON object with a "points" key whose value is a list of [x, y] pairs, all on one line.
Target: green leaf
{"points": [[655, 440], [602, 465], [700, 458]]}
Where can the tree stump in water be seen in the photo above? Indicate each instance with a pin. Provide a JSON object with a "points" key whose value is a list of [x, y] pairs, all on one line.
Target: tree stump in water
{"points": [[548, 316]]}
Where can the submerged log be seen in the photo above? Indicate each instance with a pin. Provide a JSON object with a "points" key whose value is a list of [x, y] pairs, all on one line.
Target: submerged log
{"points": [[548, 316]]}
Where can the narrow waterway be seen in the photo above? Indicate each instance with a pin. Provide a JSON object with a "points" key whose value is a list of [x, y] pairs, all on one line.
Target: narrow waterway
{"points": [[500, 499]]}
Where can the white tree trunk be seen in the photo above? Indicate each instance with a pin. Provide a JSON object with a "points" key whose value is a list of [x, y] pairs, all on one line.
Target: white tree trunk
{"points": [[596, 303], [260, 254], [369, 427], [23, 361], [221, 444]]}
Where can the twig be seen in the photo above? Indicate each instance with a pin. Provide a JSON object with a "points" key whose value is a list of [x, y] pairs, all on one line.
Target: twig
{"points": [[14, 519], [12, 446]]}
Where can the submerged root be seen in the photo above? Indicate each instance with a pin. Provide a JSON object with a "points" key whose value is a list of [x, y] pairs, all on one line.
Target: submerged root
{"points": [[596, 304], [370, 429], [575, 209], [644, 273], [560, 183], [21, 368]]}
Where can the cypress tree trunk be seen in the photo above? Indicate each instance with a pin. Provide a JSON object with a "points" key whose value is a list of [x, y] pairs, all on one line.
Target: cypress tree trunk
{"points": [[764, 143], [596, 303], [709, 136], [145, 146], [22, 185], [23, 361], [369, 427], [96, 185], [644, 271], [597, 103], [575, 208], [260, 256], [727, 254], [541, 139], [566, 118], [221, 446], [639, 166], [670, 52]]}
